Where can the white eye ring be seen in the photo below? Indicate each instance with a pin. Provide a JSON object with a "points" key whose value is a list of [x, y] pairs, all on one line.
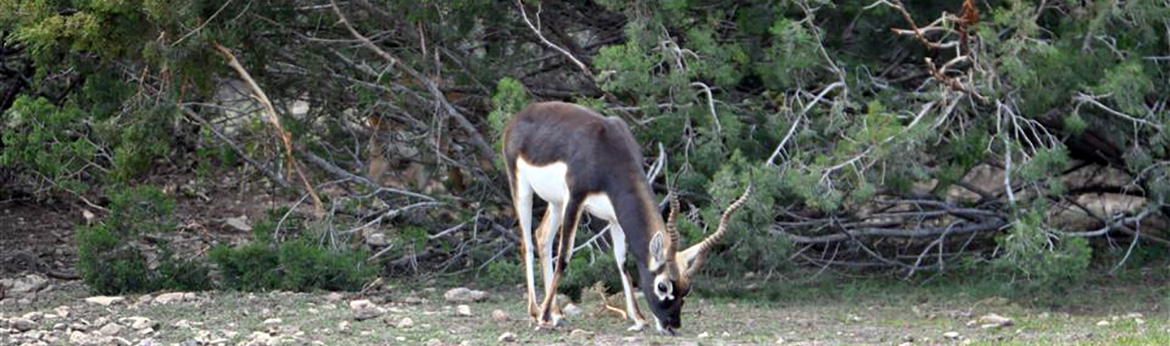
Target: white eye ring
{"points": [[666, 293]]}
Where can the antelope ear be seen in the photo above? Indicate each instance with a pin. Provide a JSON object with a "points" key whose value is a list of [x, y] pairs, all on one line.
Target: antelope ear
{"points": [[657, 251], [690, 260]]}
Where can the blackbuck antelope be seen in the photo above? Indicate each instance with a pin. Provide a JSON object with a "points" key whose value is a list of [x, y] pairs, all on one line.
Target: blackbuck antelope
{"points": [[577, 160]]}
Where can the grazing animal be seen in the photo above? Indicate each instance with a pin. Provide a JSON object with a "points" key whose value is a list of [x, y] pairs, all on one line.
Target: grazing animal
{"points": [[577, 161]]}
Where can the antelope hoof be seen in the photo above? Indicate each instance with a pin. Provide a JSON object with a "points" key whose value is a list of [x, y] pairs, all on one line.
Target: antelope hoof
{"points": [[637, 327]]}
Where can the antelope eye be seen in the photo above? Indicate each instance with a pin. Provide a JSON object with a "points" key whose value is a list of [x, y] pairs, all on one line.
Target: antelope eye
{"points": [[663, 287]]}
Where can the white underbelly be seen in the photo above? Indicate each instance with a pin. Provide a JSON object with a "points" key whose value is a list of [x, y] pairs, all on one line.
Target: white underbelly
{"points": [[549, 182], [599, 205]]}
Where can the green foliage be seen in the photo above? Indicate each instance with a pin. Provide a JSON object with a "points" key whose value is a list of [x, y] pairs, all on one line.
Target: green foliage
{"points": [[51, 141], [501, 273], [111, 257], [585, 270], [509, 99], [251, 267], [298, 264], [1038, 258], [107, 265]]}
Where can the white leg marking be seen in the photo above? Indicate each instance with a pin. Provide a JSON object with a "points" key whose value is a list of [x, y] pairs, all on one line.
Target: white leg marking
{"points": [[523, 202], [546, 255], [619, 255]]}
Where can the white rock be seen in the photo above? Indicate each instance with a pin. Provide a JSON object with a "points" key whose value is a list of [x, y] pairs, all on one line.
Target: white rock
{"points": [[507, 337], [334, 297], [463, 310], [138, 322], [273, 321], [406, 322], [994, 321], [34, 316], [104, 300], [464, 295], [364, 309], [110, 329], [434, 342], [343, 326], [171, 298], [951, 335], [22, 324], [239, 223], [572, 310], [704, 335], [1103, 323], [261, 339], [28, 284], [377, 239], [1134, 315], [500, 316], [580, 333]]}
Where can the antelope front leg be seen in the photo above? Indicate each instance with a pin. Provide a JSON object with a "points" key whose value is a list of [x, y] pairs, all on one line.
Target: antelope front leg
{"points": [[545, 235], [522, 199], [572, 214], [619, 255]]}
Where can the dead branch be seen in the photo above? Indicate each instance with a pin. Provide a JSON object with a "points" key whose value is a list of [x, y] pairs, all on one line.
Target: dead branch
{"points": [[272, 117], [236, 148], [921, 232], [536, 30], [476, 138]]}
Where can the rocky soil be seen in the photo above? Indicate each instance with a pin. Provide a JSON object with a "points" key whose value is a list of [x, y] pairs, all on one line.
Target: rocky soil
{"points": [[44, 311]]}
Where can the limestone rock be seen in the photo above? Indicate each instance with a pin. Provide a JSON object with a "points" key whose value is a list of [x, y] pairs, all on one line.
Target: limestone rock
{"points": [[104, 300], [500, 316], [462, 295], [364, 309]]}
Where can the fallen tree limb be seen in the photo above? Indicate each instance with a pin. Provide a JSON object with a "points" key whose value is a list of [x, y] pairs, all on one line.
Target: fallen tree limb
{"points": [[285, 137], [236, 148], [476, 138], [921, 232]]}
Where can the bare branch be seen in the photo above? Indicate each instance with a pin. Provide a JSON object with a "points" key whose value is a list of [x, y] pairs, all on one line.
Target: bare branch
{"points": [[285, 137], [546, 42]]}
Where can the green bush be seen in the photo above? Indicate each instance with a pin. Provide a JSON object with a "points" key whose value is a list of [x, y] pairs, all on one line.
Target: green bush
{"points": [[1037, 259], [111, 259], [308, 266], [48, 140], [107, 265], [296, 265], [252, 267], [501, 273], [585, 270]]}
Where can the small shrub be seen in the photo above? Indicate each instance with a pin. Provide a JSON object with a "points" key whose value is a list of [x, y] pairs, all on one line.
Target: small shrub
{"points": [[308, 266], [296, 265], [252, 267], [176, 274], [107, 265], [48, 140], [501, 273], [585, 271], [110, 254], [1037, 259]]}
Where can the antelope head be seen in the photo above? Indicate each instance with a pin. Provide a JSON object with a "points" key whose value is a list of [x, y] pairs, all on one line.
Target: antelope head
{"points": [[670, 271]]}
